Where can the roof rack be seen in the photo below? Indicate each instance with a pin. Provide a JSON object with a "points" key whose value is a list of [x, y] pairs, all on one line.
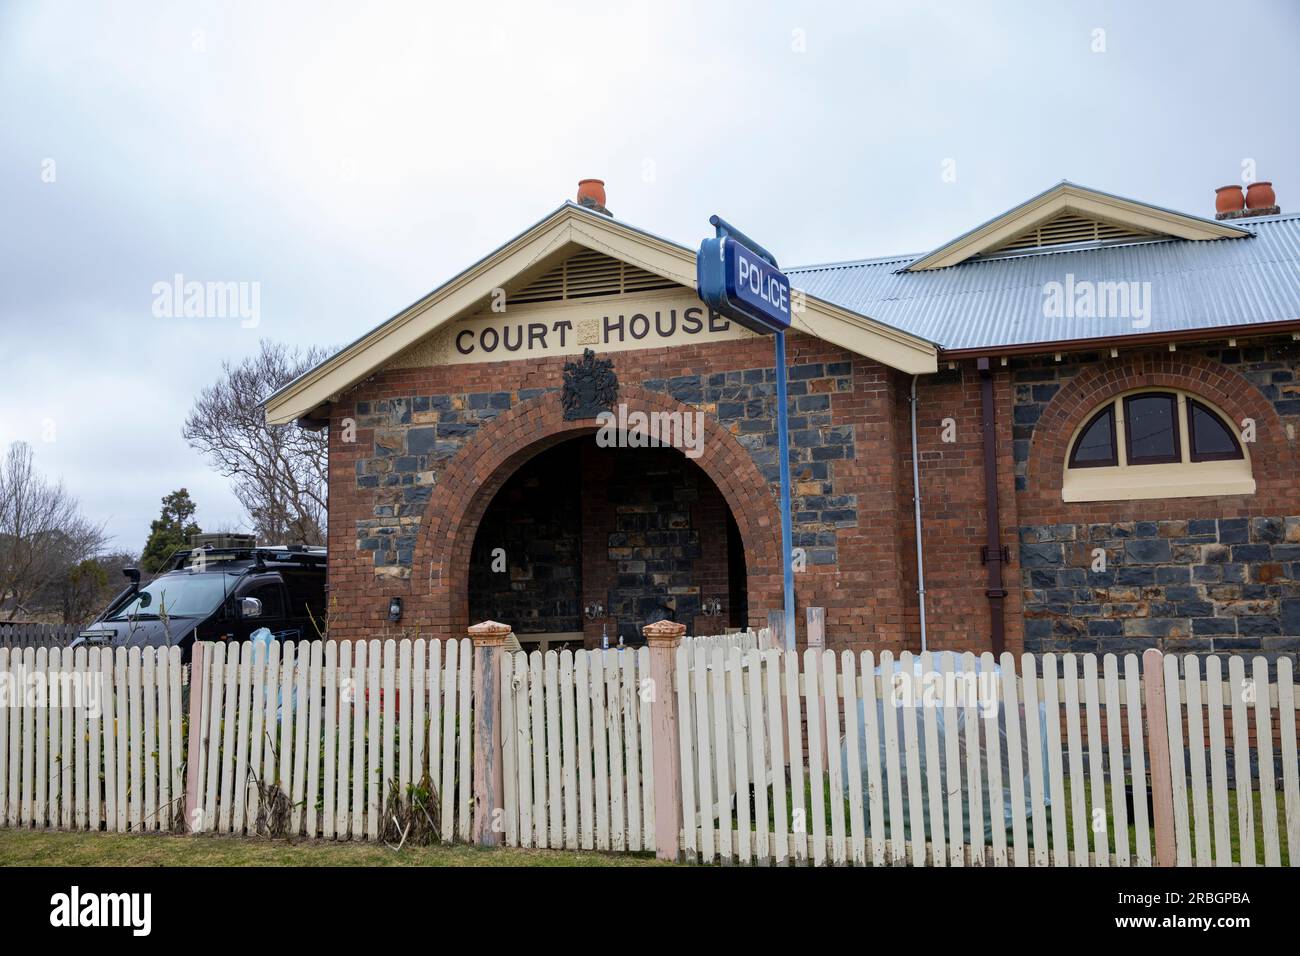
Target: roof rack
{"points": [[279, 555]]}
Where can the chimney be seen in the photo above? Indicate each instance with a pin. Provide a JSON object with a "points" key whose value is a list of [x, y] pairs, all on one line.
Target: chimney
{"points": [[1260, 200], [591, 195]]}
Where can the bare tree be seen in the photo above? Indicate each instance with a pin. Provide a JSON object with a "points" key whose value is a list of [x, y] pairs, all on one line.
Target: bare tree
{"points": [[279, 471], [42, 530]]}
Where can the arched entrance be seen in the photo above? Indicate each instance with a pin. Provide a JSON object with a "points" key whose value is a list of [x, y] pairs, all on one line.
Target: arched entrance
{"points": [[583, 544], [474, 476]]}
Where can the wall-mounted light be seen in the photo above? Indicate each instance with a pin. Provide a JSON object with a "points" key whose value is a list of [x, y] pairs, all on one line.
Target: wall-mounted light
{"points": [[394, 609], [712, 607], [594, 611]]}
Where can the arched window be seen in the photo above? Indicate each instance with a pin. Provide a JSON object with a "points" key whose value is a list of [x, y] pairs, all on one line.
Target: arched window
{"points": [[1155, 444]]}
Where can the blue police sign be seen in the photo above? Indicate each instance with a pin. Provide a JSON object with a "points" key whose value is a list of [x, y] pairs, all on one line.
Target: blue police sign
{"points": [[740, 280], [743, 285]]}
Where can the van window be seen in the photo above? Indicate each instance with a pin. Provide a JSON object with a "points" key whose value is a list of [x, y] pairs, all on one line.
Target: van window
{"points": [[179, 594], [306, 594], [271, 595]]}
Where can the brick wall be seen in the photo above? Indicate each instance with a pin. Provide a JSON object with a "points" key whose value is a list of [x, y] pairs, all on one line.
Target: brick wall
{"points": [[1194, 575], [950, 442], [433, 445]]}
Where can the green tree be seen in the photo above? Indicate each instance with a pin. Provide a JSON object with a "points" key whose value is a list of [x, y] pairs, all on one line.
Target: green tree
{"points": [[83, 590], [170, 531]]}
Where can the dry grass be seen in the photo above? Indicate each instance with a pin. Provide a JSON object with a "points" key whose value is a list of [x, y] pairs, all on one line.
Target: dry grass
{"points": [[409, 818]]}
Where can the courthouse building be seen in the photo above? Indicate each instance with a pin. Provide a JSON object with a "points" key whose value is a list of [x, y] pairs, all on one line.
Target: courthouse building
{"points": [[1088, 406]]}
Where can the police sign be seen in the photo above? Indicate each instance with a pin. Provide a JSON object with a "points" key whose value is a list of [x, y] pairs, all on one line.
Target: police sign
{"points": [[740, 280], [741, 284]]}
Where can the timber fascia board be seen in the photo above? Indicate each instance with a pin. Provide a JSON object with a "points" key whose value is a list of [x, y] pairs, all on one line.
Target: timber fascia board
{"points": [[568, 226]]}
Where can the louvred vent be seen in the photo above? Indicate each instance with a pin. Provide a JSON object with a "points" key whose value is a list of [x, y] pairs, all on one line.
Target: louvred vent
{"points": [[587, 275], [1068, 229]]}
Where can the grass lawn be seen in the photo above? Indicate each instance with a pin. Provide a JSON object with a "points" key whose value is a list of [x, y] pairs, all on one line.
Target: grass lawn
{"points": [[52, 848]]}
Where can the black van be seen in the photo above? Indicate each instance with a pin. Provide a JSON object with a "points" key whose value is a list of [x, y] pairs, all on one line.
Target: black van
{"points": [[217, 594]]}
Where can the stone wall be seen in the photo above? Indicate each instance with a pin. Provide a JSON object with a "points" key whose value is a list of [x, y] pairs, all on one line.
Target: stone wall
{"points": [[431, 446], [656, 547], [413, 435], [1197, 575], [535, 521], [1195, 586], [745, 402]]}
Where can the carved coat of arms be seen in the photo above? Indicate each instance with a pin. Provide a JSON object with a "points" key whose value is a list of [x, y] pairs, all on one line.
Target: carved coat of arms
{"points": [[590, 386]]}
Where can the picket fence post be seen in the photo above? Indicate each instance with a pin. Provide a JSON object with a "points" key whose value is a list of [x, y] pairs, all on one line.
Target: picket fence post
{"points": [[663, 638], [197, 681], [489, 639], [1162, 787]]}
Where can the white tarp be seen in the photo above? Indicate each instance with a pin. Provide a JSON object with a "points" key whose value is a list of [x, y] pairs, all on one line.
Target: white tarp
{"points": [[978, 708]]}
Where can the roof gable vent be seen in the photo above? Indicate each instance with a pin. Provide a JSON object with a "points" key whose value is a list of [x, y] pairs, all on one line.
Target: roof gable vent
{"points": [[1067, 228], [587, 275]]}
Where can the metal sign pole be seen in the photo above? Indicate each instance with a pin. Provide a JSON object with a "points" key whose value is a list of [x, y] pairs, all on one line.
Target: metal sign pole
{"points": [[741, 280], [783, 445]]}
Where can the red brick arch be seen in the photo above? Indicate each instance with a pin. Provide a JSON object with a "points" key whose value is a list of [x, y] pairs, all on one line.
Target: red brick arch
{"points": [[1272, 455], [469, 480]]}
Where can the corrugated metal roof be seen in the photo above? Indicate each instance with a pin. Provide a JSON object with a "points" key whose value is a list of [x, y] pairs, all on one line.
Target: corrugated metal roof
{"points": [[1065, 184], [999, 300]]}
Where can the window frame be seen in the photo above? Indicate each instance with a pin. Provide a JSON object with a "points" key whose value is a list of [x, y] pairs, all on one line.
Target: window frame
{"points": [[1238, 453], [1176, 413], [1213, 475], [1109, 410]]}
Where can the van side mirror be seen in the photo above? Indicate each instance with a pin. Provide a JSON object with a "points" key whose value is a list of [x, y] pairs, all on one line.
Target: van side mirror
{"points": [[249, 607]]}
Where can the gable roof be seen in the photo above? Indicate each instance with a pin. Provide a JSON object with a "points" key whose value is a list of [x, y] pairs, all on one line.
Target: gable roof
{"points": [[992, 302], [530, 256], [1120, 216]]}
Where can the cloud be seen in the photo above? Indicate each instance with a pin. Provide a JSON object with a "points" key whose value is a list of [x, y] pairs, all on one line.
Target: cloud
{"points": [[350, 158]]}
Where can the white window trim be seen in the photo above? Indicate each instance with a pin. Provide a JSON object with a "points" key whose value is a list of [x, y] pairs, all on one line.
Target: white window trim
{"points": [[1180, 479]]}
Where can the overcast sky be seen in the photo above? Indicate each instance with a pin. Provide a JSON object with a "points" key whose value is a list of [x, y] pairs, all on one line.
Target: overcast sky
{"points": [[349, 158]]}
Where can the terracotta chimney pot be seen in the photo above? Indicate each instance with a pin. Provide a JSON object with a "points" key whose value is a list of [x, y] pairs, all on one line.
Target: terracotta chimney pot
{"points": [[1228, 199], [1260, 196], [591, 192], [591, 195]]}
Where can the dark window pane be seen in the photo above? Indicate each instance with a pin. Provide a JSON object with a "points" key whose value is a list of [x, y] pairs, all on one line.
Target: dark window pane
{"points": [[1212, 440], [1151, 427], [306, 594], [269, 593], [1096, 443]]}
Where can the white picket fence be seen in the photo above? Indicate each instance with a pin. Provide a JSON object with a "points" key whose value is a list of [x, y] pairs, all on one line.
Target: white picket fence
{"points": [[783, 758], [749, 720], [91, 738], [578, 767], [1261, 715], [577, 755], [741, 640], [332, 724]]}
